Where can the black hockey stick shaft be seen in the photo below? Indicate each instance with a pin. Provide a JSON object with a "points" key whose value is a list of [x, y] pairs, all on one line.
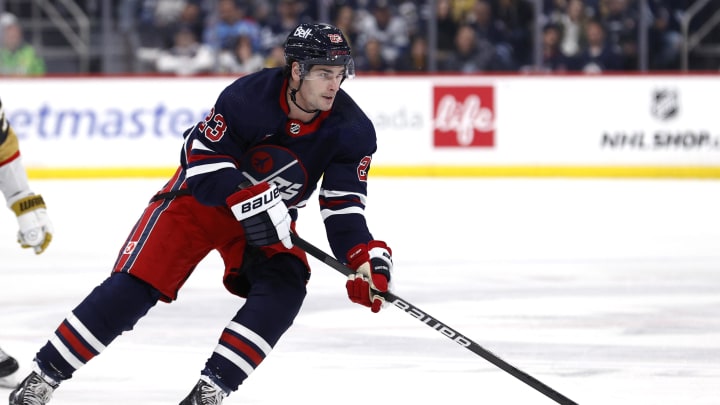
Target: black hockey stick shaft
{"points": [[444, 329]]}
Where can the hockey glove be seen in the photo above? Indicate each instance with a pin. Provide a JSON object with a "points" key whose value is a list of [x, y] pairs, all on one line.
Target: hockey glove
{"points": [[263, 214], [373, 265], [35, 227]]}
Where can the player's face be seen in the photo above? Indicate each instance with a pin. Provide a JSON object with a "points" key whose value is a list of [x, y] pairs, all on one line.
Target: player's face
{"points": [[320, 86]]}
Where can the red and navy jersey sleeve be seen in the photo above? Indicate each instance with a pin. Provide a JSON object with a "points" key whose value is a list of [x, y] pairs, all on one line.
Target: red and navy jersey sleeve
{"points": [[343, 192]]}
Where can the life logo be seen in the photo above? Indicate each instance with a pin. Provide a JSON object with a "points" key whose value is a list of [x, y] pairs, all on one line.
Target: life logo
{"points": [[464, 116]]}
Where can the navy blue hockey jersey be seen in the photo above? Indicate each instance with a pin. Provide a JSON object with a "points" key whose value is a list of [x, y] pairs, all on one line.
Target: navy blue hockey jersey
{"points": [[247, 136]]}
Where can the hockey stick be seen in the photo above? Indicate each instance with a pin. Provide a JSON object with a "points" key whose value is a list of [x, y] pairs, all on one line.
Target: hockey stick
{"points": [[444, 329]]}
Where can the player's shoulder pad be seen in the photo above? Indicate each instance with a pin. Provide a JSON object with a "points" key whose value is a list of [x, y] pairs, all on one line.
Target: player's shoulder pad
{"points": [[252, 87], [354, 120]]}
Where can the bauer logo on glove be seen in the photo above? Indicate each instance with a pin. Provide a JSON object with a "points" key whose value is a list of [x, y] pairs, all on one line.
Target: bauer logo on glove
{"points": [[258, 204], [262, 214]]}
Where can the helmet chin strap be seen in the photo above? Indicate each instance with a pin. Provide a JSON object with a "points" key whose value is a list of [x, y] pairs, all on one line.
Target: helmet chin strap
{"points": [[293, 93]]}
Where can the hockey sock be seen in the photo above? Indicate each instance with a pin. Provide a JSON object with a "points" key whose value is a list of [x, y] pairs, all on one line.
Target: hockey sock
{"points": [[110, 309], [276, 295]]}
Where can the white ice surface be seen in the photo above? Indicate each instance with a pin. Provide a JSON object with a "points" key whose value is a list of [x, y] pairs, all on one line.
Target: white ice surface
{"points": [[606, 291]]}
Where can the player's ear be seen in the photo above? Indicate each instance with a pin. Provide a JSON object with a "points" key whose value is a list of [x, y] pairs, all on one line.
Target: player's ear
{"points": [[295, 71]]}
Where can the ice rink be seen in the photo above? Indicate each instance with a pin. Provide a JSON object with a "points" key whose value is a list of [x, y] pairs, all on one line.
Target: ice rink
{"points": [[605, 290]]}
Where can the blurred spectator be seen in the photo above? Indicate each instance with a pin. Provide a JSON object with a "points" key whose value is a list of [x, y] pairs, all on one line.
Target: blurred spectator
{"points": [[193, 16], [158, 20], [410, 12], [385, 26], [462, 8], [187, 56], [446, 27], [599, 55], [371, 58], [621, 27], [241, 59], [345, 21], [516, 17], [276, 28], [415, 59], [487, 28], [470, 55], [553, 59], [232, 20], [16, 56], [551, 8], [572, 27], [665, 37], [275, 57]]}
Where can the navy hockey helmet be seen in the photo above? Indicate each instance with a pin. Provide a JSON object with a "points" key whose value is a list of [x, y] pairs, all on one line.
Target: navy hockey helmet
{"points": [[318, 44]]}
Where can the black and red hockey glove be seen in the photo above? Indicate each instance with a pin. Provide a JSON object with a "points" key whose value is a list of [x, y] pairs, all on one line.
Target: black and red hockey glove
{"points": [[263, 214], [373, 267]]}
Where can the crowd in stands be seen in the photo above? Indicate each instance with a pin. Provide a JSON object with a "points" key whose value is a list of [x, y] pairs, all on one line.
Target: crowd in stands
{"points": [[16, 56], [188, 37]]}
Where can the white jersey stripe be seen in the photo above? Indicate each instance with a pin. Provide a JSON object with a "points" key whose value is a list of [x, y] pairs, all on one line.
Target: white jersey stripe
{"points": [[243, 365], [207, 168], [65, 352], [253, 337], [85, 333], [326, 213], [340, 194], [197, 145]]}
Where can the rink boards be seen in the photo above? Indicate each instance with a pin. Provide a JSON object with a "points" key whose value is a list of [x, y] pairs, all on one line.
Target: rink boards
{"points": [[460, 126]]}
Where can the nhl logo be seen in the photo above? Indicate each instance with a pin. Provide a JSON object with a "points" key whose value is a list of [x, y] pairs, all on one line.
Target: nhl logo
{"points": [[294, 128], [665, 104]]}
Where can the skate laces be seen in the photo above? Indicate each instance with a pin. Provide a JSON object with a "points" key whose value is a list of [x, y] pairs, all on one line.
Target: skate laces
{"points": [[210, 393], [36, 391]]}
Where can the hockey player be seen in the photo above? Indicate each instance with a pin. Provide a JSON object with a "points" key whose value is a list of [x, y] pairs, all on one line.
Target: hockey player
{"points": [[257, 157], [35, 226]]}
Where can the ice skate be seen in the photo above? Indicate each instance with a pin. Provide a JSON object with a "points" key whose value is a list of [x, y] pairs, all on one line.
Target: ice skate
{"points": [[205, 392], [8, 371], [34, 390]]}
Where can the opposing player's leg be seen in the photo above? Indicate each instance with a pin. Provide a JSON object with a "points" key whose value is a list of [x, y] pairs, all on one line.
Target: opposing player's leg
{"points": [[110, 309], [8, 370], [277, 289]]}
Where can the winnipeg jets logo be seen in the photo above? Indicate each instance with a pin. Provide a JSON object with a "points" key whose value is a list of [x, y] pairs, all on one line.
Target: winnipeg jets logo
{"points": [[302, 33], [262, 162], [279, 166]]}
